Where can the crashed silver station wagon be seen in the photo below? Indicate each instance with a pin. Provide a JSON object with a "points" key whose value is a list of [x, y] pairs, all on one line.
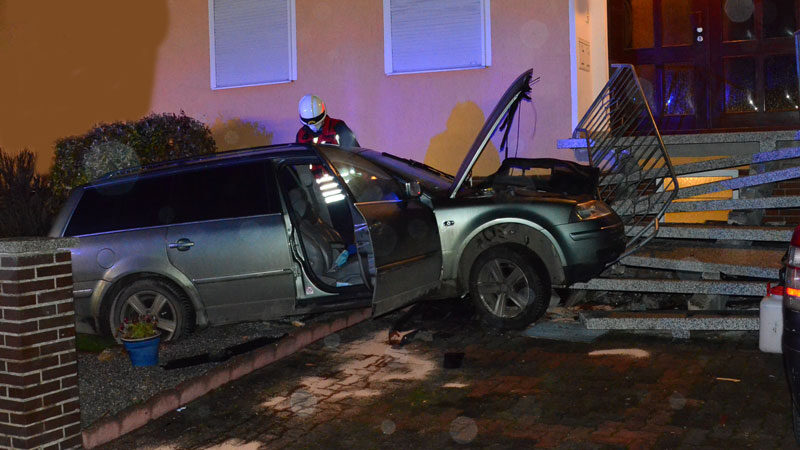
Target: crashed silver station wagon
{"points": [[270, 232]]}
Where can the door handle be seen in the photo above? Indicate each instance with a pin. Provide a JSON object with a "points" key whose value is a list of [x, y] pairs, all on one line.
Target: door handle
{"points": [[182, 245]]}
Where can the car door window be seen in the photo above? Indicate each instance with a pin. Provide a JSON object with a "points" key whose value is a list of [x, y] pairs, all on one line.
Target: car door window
{"points": [[367, 181], [223, 192]]}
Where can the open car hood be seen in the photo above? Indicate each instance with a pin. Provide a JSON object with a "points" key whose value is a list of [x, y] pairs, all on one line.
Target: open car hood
{"points": [[501, 117]]}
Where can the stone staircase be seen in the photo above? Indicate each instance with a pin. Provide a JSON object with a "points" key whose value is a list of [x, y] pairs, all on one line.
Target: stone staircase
{"points": [[712, 259], [718, 260]]}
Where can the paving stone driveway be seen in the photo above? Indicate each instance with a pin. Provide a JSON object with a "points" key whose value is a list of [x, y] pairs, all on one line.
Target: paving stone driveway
{"points": [[355, 391]]}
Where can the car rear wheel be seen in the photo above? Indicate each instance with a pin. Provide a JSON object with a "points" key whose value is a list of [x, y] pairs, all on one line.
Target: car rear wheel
{"points": [[154, 297], [507, 289]]}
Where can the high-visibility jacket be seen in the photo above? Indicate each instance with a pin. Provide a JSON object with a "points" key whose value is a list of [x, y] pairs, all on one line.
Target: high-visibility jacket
{"points": [[333, 131]]}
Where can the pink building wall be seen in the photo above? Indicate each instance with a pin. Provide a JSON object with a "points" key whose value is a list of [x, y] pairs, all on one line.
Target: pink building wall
{"points": [[431, 117]]}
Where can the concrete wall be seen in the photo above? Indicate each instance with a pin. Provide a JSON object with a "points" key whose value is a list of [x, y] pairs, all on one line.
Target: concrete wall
{"points": [[91, 61]]}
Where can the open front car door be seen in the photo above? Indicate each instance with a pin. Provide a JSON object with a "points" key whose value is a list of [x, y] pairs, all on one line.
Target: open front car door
{"points": [[402, 230]]}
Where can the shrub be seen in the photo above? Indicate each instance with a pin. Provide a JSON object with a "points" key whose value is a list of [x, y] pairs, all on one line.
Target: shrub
{"points": [[27, 201], [119, 145]]}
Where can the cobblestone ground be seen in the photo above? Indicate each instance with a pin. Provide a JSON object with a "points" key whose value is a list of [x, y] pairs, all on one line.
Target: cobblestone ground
{"points": [[355, 391]]}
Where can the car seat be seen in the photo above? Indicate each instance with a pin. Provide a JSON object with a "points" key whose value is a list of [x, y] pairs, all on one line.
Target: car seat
{"points": [[318, 238], [322, 243]]}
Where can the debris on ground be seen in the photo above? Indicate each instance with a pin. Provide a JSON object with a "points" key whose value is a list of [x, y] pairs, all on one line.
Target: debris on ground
{"points": [[221, 355], [601, 307], [453, 360], [562, 314], [732, 380], [106, 355], [630, 352], [298, 324], [425, 335], [401, 338]]}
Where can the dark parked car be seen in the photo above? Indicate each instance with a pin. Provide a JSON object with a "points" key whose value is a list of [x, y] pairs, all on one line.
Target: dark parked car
{"points": [[291, 229], [790, 340]]}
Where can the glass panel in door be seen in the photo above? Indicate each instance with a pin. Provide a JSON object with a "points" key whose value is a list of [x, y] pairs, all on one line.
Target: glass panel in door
{"points": [[779, 18], [780, 83], [740, 85]]}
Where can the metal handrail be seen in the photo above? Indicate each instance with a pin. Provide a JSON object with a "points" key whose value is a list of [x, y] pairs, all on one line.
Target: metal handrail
{"points": [[636, 174]]}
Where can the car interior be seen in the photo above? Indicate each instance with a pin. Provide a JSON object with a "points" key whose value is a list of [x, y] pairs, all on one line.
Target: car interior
{"points": [[332, 235]]}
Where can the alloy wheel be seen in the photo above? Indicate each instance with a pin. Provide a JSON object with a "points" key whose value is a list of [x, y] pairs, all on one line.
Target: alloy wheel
{"points": [[152, 303], [503, 288]]}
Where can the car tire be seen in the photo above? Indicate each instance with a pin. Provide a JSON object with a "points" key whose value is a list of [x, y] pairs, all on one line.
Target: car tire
{"points": [[507, 288], [174, 313]]}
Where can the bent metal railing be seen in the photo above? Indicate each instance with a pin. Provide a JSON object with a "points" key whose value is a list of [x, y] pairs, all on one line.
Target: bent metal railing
{"points": [[623, 142]]}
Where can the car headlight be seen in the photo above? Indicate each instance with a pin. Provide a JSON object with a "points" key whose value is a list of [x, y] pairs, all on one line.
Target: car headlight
{"points": [[591, 210]]}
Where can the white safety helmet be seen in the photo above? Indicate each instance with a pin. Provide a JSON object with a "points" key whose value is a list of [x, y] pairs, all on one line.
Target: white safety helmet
{"points": [[312, 112]]}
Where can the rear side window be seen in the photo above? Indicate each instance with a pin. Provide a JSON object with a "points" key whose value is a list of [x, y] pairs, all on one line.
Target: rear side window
{"points": [[214, 193], [223, 192], [133, 204]]}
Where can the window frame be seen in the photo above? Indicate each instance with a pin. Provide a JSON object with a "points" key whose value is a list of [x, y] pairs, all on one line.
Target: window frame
{"points": [[486, 42], [292, 29]]}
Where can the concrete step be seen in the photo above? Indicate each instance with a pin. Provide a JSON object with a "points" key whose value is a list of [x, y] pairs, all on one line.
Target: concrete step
{"points": [[623, 207], [733, 204], [720, 232], [736, 161], [746, 262], [670, 320], [703, 166], [740, 182], [741, 288]]}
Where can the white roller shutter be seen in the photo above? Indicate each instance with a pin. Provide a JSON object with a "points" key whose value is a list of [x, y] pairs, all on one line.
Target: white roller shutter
{"points": [[252, 42], [436, 35]]}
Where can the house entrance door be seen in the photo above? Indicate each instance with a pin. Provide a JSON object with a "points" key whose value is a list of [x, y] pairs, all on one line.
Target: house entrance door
{"points": [[711, 64]]}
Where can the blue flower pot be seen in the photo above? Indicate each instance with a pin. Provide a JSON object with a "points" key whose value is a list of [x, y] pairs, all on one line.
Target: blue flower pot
{"points": [[143, 352]]}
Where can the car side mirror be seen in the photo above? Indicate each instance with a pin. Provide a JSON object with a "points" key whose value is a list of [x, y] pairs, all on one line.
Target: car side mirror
{"points": [[413, 189]]}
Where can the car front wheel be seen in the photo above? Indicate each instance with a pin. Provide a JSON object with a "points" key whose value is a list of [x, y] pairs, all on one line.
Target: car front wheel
{"points": [[507, 289], [156, 298]]}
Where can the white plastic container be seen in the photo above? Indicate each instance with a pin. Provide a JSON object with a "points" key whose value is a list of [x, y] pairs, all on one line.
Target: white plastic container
{"points": [[770, 322]]}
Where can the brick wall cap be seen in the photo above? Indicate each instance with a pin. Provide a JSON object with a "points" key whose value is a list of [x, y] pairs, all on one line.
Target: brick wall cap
{"points": [[36, 244]]}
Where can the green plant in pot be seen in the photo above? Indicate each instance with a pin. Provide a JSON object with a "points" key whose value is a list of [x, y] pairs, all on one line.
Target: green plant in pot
{"points": [[141, 337]]}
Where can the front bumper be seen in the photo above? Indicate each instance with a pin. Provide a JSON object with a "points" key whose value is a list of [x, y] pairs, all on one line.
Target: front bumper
{"points": [[591, 247]]}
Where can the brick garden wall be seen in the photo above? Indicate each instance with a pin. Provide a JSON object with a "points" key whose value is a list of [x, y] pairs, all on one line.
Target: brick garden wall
{"points": [[791, 216], [39, 405]]}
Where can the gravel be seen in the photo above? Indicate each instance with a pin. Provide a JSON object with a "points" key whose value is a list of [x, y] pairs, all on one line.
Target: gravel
{"points": [[107, 387]]}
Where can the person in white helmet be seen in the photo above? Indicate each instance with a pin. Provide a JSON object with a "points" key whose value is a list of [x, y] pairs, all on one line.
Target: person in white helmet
{"points": [[319, 127]]}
